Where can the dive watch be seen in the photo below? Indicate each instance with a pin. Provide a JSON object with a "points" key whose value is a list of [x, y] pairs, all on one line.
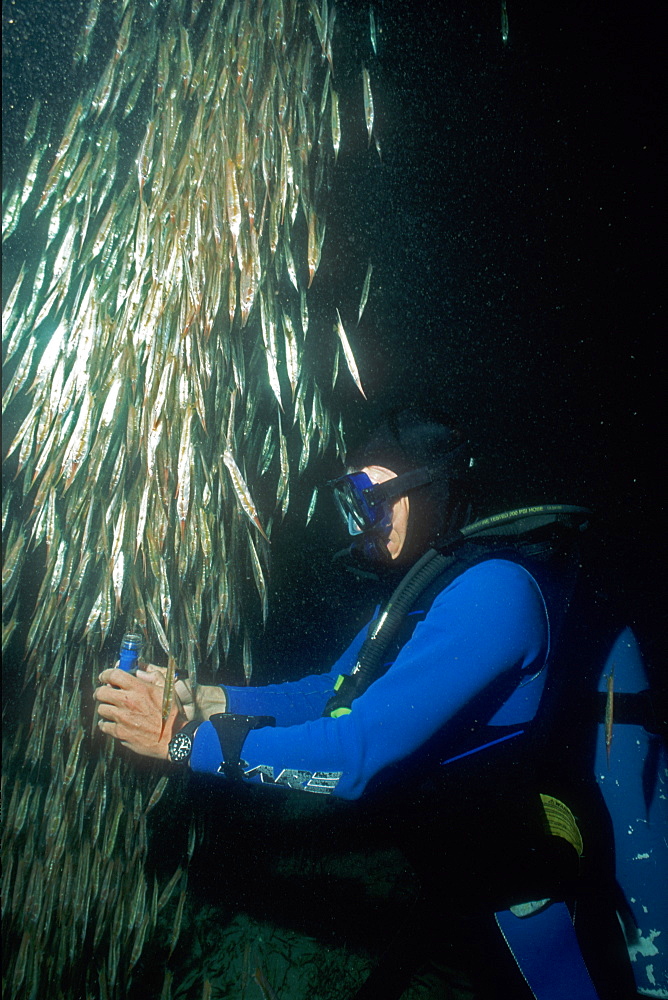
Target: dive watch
{"points": [[181, 745]]}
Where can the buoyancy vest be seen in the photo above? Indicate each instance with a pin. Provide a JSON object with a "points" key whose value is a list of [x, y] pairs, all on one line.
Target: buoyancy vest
{"points": [[538, 534], [478, 829], [473, 791]]}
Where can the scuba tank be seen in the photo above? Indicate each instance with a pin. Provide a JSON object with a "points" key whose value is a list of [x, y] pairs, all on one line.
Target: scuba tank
{"points": [[631, 768]]}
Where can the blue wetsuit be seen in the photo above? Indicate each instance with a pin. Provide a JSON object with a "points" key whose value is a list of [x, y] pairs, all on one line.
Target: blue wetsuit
{"points": [[470, 675], [485, 639]]}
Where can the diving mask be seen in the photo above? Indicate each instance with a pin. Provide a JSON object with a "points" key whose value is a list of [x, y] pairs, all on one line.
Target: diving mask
{"points": [[365, 505], [359, 503]]}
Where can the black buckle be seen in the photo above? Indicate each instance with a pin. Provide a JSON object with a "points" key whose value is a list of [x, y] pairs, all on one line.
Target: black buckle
{"points": [[232, 731]]}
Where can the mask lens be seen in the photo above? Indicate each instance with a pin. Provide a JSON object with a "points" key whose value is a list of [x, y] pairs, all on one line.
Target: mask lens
{"points": [[354, 498], [353, 526]]}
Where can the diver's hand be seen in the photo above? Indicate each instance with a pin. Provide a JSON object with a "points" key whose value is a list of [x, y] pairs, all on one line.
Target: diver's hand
{"points": [[207, 701], [130, 710], [183, 692]]}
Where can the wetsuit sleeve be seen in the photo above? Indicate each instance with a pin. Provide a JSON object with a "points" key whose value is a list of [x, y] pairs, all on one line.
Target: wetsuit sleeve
{"points": [[489, 622], [295, 701]]}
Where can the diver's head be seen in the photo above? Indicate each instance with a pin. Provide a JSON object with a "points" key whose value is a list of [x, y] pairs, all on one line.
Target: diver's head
{"points": [[405, 489]]}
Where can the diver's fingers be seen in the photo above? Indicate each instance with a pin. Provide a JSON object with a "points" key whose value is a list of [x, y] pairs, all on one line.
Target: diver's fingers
{"points": [[184, 699], [185, 692], [149, 678], [151, 668], [117, 677]]}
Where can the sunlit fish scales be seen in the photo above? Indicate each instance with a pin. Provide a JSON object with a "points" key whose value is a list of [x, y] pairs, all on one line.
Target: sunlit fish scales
{"points": [[161, 338]]}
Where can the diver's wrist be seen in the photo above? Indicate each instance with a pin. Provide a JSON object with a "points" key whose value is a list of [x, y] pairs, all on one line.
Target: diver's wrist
{"points": [[210, 699]]}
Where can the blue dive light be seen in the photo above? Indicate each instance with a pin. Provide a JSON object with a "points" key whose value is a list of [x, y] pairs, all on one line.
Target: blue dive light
{"points": [[130, 651]]}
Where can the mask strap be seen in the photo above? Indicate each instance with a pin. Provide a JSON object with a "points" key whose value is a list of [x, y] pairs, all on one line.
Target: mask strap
{"points": [[401, 484]]}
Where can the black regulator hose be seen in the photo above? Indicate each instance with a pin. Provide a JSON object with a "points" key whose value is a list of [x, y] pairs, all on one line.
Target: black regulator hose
{"points": [[367, 669], [508, 528]]}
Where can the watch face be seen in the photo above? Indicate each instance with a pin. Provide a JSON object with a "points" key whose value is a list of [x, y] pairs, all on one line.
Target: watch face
{"points": [[180, 747]]}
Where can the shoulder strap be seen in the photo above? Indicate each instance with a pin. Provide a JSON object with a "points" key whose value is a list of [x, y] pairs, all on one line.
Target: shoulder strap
{"points": [[529, 526]]}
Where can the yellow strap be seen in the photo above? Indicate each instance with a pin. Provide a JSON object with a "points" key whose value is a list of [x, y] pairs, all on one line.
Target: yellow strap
{"points": [[338, 712], [561, 821]]}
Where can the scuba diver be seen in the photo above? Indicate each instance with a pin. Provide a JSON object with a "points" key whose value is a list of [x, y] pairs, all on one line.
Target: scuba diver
{"points": [[446, 713]]}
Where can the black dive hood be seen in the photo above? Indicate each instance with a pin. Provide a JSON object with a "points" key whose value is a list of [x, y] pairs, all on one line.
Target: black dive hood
{"points": [[370, 547], [424, 442]]}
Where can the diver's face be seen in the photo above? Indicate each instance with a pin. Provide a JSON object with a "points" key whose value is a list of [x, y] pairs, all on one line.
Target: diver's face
{"points": [[399, 509]]}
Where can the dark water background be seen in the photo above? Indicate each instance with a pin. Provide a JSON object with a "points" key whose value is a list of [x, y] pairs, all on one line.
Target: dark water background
{"points": [[516, 227]]}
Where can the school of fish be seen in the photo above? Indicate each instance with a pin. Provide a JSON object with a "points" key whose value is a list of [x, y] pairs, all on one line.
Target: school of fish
{"points": [[161, 356]]}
